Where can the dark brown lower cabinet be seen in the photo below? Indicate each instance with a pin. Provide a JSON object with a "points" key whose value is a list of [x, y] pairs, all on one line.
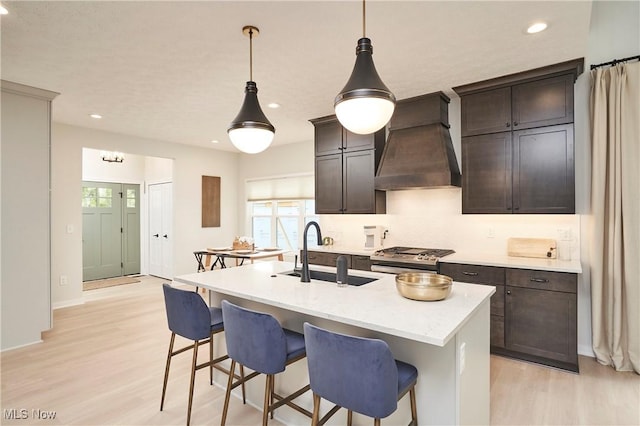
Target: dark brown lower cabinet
{"points": [[541, 323], [362, 263], [533, 313]]}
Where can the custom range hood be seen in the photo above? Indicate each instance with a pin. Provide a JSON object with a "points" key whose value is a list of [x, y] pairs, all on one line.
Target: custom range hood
{"points": [[419, 152]]}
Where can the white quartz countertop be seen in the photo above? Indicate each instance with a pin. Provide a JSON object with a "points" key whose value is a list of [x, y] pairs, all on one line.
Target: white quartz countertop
{"points": [[375, 306], [554, 265]]}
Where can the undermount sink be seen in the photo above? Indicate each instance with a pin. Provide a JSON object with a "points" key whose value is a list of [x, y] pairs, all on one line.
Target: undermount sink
{"points": [[331, 277]]}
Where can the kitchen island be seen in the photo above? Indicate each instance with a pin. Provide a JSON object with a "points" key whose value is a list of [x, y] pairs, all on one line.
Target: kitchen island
{"points": [[448, 341]]}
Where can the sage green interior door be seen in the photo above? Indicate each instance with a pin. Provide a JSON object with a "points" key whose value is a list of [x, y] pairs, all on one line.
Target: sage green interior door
{"points": [[101, 230], [131, 229], [110, 230]]}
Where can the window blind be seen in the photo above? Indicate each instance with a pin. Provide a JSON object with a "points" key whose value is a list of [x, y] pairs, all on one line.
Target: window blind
{"points": [[298, 187]]}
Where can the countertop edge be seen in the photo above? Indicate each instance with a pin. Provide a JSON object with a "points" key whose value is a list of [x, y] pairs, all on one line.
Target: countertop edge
{"points": [[553, 265]]}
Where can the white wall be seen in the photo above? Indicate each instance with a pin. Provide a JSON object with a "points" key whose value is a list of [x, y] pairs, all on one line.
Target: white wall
{"points": [[190, 163], [131, 170]]}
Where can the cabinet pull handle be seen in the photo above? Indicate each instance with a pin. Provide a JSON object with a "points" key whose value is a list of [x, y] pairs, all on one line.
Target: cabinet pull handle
{"points": [[156, 235], [509, 292], [539, 280], [471, 274], [508, 124], [515, 123]]}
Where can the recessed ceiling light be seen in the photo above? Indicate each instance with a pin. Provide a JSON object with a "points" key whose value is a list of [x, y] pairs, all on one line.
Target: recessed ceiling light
{"points": [[3, 10], [97, 116], [215, 141], [273, 105], [537, 27]]}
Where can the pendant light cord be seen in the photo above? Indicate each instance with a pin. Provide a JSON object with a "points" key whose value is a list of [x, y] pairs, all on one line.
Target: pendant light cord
{"points": [[250, 54], [364, 20]]}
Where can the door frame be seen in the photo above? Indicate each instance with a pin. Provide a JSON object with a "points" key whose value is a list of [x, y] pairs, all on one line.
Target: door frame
{"points": [[147, 226], [123, 227]]}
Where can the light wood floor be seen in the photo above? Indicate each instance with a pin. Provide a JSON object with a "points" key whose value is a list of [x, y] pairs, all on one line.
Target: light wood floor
{"points": [[103, 363]]}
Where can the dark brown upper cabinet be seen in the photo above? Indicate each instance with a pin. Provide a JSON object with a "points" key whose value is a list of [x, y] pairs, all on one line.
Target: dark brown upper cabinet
{"points": [[345, 168], [535, 104], [517, 142], [332, 138]]}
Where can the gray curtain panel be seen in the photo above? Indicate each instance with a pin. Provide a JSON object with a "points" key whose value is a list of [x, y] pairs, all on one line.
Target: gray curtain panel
{"points": [[615, 199]]}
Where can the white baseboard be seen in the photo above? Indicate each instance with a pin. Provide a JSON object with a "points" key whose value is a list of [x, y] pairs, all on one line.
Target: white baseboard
{"points": [[67, 303], [21, 346], [586, 351]]}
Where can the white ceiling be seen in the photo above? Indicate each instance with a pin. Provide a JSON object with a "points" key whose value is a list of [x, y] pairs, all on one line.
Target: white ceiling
{"points": [[176, 70]]}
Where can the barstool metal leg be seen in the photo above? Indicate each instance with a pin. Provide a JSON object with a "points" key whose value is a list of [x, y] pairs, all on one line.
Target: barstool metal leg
{"points": [[376, 422], [211, 359], [225, 409], [166, 370], [267, 398], [193, 378], [273, 379], [316, 410], [414, 412], [244, 399], [349, 417]]}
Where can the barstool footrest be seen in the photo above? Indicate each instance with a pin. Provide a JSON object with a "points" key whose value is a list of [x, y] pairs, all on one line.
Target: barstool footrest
{"points": [[288, 401], [330, 414]]}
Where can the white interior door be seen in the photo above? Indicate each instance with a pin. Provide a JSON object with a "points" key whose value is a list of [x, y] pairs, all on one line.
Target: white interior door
{"points": [[160, 230]]}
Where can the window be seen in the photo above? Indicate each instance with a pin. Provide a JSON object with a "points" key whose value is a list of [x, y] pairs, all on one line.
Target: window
{"points": [[97, 197], [280, 223], [131, 198]]}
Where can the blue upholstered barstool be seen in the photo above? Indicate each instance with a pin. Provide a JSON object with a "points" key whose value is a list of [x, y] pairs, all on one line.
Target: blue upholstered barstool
{"points": [[358, 374], [257, 341], [189, 316]]}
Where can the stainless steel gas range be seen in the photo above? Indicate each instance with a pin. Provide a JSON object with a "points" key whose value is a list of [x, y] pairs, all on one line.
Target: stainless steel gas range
{"points": [[395, 260]]}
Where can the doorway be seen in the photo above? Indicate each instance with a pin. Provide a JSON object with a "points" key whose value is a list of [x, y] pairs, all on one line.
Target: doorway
{"points": [[110, 230], [161, 230]]}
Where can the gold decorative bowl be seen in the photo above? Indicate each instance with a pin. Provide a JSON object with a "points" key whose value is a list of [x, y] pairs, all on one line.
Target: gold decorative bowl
{"points": [[423, 286]]}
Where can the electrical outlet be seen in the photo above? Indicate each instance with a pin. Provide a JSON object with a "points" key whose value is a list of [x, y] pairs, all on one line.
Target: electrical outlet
{"points": [[463, 357], [64, 280], [491, 232]]}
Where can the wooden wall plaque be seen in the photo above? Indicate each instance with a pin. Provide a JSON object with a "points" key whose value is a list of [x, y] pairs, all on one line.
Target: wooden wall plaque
{"points": [[210, 201]]}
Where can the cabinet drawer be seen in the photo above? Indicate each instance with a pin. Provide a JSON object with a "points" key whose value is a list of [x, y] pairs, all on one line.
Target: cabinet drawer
{"points": [[324, 259], [542, 280], [361, 263], [497, 331], [475, 274]]}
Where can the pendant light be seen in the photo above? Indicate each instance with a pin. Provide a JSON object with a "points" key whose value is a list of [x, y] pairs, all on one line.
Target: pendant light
{"points": [[365, 104], [251, 132]]}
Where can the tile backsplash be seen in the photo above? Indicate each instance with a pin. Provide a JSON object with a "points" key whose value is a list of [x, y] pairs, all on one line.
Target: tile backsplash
{"points": [[432, 218]]}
